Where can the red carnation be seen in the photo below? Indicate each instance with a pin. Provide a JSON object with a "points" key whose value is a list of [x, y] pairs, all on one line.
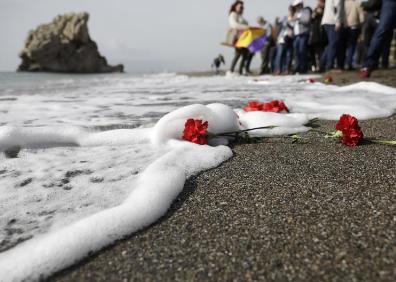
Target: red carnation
{"points": [[351, 133], [328, 79], [195, 131], [275, 106], [352, 137], [253, 106], [346, 122], [311, 80]]}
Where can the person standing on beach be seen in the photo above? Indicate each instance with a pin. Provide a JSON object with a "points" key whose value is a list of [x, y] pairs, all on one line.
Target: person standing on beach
{"points": [[354, 21], [317, 39], [284, 47], [302, 25], [333, 21], [265, 52], [238, 25], [267, 27], [382, 34], [217, 63], [371, 10]]}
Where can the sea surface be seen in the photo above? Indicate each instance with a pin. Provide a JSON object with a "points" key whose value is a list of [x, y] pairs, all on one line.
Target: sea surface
{"points": [[104, 101]]}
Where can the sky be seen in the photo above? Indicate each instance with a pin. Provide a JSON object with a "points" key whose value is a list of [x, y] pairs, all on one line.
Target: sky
{"points": [[146, 35]]}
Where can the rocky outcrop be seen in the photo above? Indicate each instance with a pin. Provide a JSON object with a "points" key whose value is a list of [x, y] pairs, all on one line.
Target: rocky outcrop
{"points": [[64, 45]]}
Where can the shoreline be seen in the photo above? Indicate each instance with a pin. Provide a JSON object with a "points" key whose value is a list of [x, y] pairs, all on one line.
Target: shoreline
{"points": [[311, 211], [383, 76]]}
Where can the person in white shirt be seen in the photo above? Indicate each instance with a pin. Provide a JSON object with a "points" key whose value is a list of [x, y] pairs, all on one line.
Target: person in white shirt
{"points": [[333, 21], [302, 27], [354, 21], [284, 44], [238, 24]]}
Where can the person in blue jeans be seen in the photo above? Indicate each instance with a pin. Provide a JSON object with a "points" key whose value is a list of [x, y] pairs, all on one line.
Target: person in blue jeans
{"points": [[354, 21], [386, 25], [352, 39], [284, 47], [301, 53], [386, 50], [330, 52], [284, 56], [301, 27], [333, 21]]}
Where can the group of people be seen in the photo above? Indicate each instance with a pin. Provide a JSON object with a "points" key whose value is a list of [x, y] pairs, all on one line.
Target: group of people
{"points": [[335, 34]]}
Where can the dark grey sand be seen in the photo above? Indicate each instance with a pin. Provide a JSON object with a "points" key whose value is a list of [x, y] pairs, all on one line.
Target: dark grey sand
{"points": [[311, 211]]}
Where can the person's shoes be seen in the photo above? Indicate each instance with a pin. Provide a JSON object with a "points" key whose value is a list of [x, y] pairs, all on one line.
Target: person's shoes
{"points": [[364, 73]]}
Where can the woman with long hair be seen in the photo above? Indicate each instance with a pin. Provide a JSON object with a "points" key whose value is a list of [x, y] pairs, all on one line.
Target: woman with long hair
{"points": [[238, 24]]}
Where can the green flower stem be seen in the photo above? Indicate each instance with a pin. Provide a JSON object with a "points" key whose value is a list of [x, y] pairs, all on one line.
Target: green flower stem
{"points": [[335, 135], [383, 142], [232, 133]]}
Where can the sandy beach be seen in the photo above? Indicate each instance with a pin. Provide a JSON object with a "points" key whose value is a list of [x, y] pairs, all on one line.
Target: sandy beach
{"points": [[310, 211]]}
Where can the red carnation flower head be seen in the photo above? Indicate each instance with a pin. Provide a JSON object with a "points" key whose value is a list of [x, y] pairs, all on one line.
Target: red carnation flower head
{"points": [[195, 131], [253, 106], [328, 79], [275, 106], [351, 133], [346, 122], [311, 80], [352, 137]]}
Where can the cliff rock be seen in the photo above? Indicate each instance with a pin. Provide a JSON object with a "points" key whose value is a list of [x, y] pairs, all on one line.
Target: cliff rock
{"points": [[64, 45]]}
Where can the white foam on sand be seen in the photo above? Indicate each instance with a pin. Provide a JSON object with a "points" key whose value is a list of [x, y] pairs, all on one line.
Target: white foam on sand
{"points": [[285, 123], [155, 190], [78, 186], [101, 189]]}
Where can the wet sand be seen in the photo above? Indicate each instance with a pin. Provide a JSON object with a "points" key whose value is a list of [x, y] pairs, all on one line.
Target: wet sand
{"points": [[387, 77], [311, 211]]}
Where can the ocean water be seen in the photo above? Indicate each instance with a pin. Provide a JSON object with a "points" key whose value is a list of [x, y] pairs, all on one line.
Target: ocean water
{"points": [[101, 155]]}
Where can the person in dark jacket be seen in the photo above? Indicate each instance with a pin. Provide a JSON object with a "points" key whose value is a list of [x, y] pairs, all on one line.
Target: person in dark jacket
{"points": [[265, 52], [372, 5], [217, 63], [317, 38]]}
